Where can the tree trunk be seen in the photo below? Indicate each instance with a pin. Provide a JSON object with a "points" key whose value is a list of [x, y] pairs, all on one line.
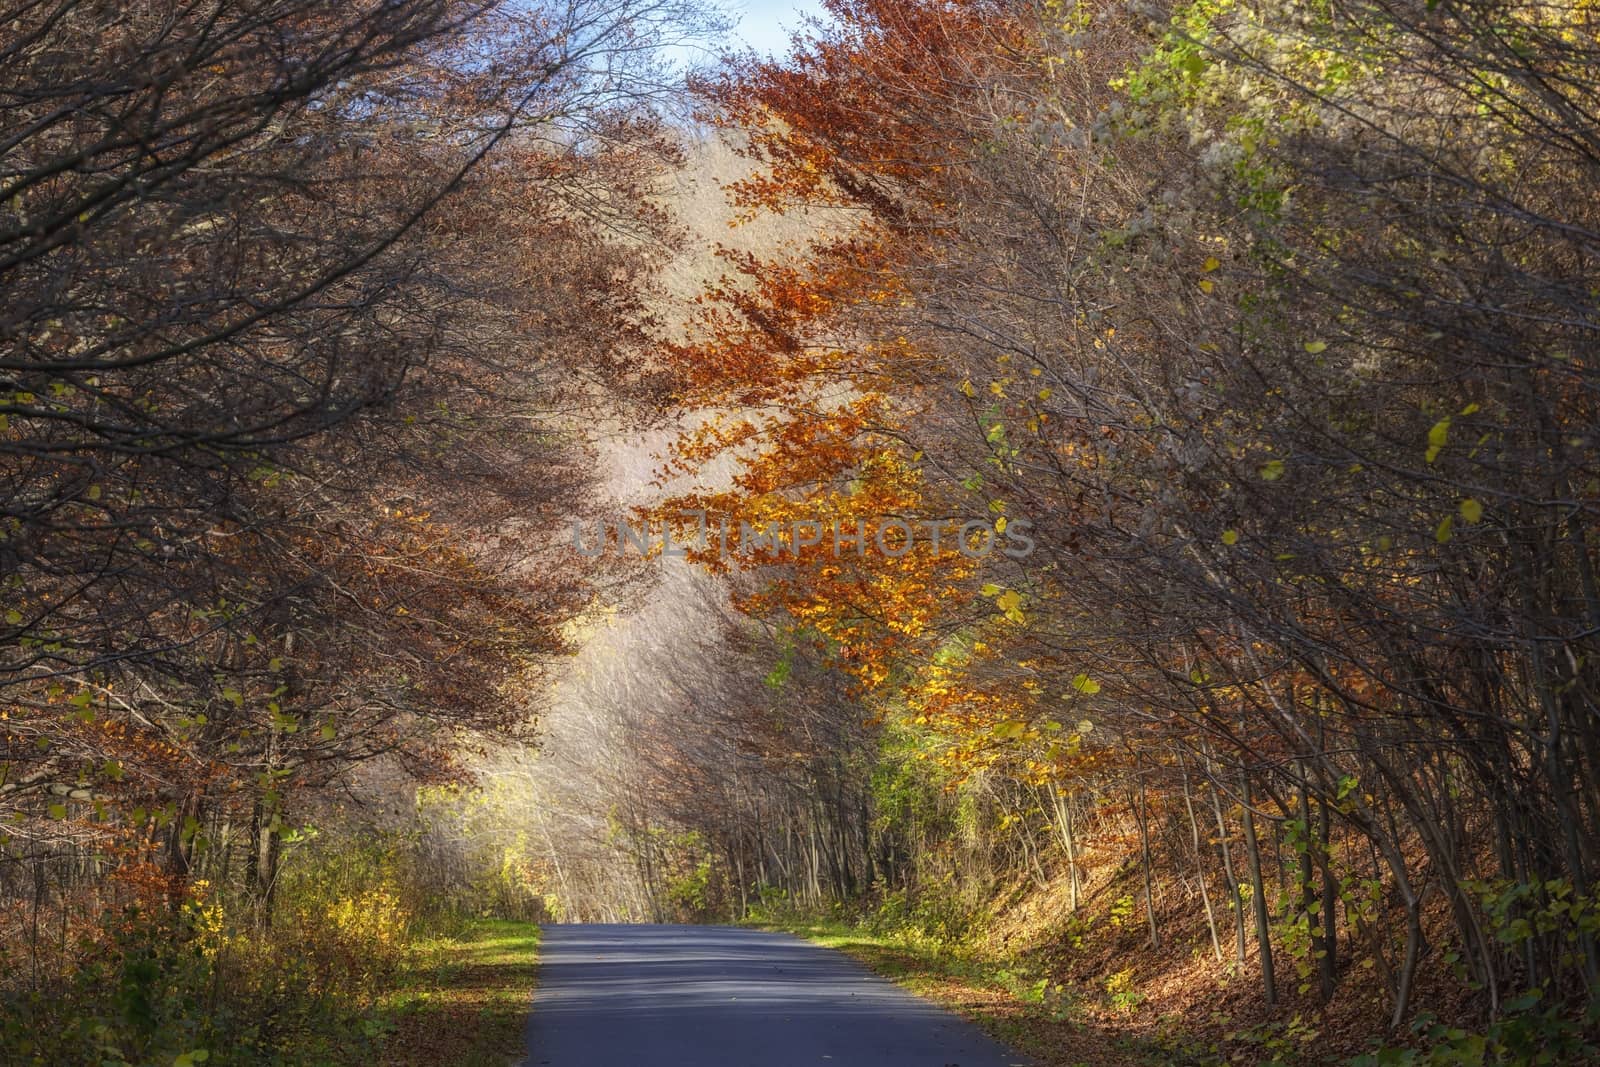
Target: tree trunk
{"points": [[1232, 878], [1199, 864], [1269, 982]]}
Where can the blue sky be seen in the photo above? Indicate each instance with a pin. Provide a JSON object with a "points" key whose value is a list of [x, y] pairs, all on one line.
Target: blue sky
{"points": [[763, 24], [760, 24]]}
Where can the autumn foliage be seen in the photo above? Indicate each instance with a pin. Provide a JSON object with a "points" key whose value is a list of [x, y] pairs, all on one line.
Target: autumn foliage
{"points": [[303, 306], [1161, 481], [1271, 323]]}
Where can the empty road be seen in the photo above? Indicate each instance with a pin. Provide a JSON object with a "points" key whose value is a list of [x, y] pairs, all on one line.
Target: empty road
{"points": [[715, 996]]}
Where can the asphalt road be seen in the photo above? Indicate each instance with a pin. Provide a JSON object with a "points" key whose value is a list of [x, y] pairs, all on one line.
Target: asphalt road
{"points": [[715, 996]]}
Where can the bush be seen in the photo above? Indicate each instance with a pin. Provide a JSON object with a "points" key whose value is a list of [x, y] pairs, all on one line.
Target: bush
{"points": [[197, 983]]}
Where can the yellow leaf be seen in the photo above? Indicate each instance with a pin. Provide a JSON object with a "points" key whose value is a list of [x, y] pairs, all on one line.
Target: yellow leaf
{"points": [[1044, 394], [1445, 530], [1206, 285], [1316, 346], [1230, 537], [1471, 510], [1272, 470], [1437, 437], [990, 589], [1000, 524], [1211, 264], [967, 390], [1085, 685]]}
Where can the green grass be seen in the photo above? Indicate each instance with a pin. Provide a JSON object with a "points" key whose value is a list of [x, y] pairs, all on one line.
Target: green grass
{"points": [[465, 999]]}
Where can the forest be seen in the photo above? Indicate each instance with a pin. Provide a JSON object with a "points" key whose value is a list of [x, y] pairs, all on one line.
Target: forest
{"points": [[1093, 507]]}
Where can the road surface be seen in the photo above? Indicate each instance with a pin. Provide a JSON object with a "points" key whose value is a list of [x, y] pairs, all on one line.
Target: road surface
{"points": [[716, 996]]}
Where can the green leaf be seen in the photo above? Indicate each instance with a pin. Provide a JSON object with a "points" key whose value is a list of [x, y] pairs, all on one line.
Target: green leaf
{"points": [[58, 811], [1316, 346], [1085, 685], [1445, 530], [1272, 471], [1471, 510], [990, 589]]}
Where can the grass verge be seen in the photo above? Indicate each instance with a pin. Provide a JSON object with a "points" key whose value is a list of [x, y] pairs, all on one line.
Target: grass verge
{"points": [[466, 999], [1023, 1011]]}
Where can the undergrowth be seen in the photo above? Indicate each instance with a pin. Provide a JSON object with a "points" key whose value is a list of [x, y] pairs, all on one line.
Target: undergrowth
{"points": [[348, 972]]}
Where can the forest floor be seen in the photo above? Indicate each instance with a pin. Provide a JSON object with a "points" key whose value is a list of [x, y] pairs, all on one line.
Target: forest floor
{"points": [[467, 1004]]}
